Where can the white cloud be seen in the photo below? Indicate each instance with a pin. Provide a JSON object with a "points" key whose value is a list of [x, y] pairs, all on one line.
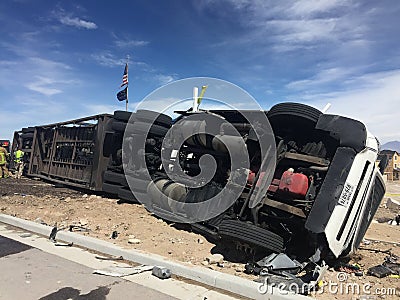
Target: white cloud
{"points": [[47, 86], [324, 76], [40, 87], [164, 79], [309, 7], [108, 60], [7, 63], [39, 74], [295, 25], [126, 43], [372, 98], [47, 64], [297, 32], [31, 111], [76, 22]]}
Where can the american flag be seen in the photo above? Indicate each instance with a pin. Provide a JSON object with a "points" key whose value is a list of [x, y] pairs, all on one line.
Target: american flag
{"points": [[125, 76]]}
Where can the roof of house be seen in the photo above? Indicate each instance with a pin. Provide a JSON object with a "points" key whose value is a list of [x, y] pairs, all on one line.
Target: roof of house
{"points": [[388, 152]]}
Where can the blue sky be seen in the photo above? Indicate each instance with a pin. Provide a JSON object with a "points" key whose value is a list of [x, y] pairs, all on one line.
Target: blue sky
{"points": [[63, 60]]}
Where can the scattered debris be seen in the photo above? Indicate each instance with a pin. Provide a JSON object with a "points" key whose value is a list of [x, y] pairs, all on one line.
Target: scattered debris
{"points": [[350, 269], [379, 271], [366, 242], [78, 228], [383, 219], [25, 235], [40, 221], [392, 204], [388, 251], [109, 258], [114, 234], [392, 263], [83, 222], [389, 267], [276, 263], [134, 241], [215, 259], [161, 272], [64, 244], [290, 282], [120, 271], [395, 221], [85, 196]]}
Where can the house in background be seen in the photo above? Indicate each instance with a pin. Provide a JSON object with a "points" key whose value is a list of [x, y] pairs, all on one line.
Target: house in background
{"points": [[392, 170]]}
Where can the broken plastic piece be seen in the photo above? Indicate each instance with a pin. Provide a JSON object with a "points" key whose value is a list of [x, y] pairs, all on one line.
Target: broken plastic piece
{"points": [[64, 244], [160, 272], [78, 228], [109, 258], [277, 262], [379, 271], [392, 265], [120, 271], [25, 235]]}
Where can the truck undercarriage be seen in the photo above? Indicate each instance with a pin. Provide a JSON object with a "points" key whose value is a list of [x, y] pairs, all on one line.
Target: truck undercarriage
{"points": [[304, 183]]}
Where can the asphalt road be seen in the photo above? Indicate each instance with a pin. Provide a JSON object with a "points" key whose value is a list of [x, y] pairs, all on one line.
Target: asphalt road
{"points": [[29, 273]]}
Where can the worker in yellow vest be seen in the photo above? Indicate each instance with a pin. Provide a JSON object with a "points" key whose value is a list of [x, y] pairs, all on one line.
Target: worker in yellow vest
{"points": [[3, 163], [19, 162]]}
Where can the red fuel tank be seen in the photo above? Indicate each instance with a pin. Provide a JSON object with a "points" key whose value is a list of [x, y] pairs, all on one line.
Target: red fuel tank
{"points": [[296, 184]]}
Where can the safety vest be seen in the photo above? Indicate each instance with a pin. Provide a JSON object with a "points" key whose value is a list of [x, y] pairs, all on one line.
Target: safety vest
{"points": [[2, 157], [18, 156]]}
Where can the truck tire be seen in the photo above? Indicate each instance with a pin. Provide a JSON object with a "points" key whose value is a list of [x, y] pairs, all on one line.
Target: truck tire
{"points": [[149, 116], [112, 177], [143, 128], [111, 188], [126, 194], [249, 233], [122, 115], [116, 169], [284, 110], [118, 126], [137, 184], [108, 143]]}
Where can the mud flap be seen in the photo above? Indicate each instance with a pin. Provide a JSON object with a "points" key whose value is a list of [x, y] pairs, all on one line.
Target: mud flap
{"points": [[331, 189], [349, 132]]}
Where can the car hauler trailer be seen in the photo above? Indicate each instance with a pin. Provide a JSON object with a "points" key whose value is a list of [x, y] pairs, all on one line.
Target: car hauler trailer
{"points": [[70, 153]]}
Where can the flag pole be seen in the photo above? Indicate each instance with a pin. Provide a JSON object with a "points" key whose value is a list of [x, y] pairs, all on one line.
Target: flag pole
{"points": [[126, 101]]}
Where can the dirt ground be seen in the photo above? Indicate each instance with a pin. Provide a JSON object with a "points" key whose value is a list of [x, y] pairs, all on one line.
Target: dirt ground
{"points": [[43, 202]]}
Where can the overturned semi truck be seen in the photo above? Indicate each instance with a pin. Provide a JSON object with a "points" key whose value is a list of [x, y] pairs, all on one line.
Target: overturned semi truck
{"points": [[316, 200]]}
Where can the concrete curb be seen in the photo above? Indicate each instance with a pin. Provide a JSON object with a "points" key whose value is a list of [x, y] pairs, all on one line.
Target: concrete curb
{"points": [[230, 283]]}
